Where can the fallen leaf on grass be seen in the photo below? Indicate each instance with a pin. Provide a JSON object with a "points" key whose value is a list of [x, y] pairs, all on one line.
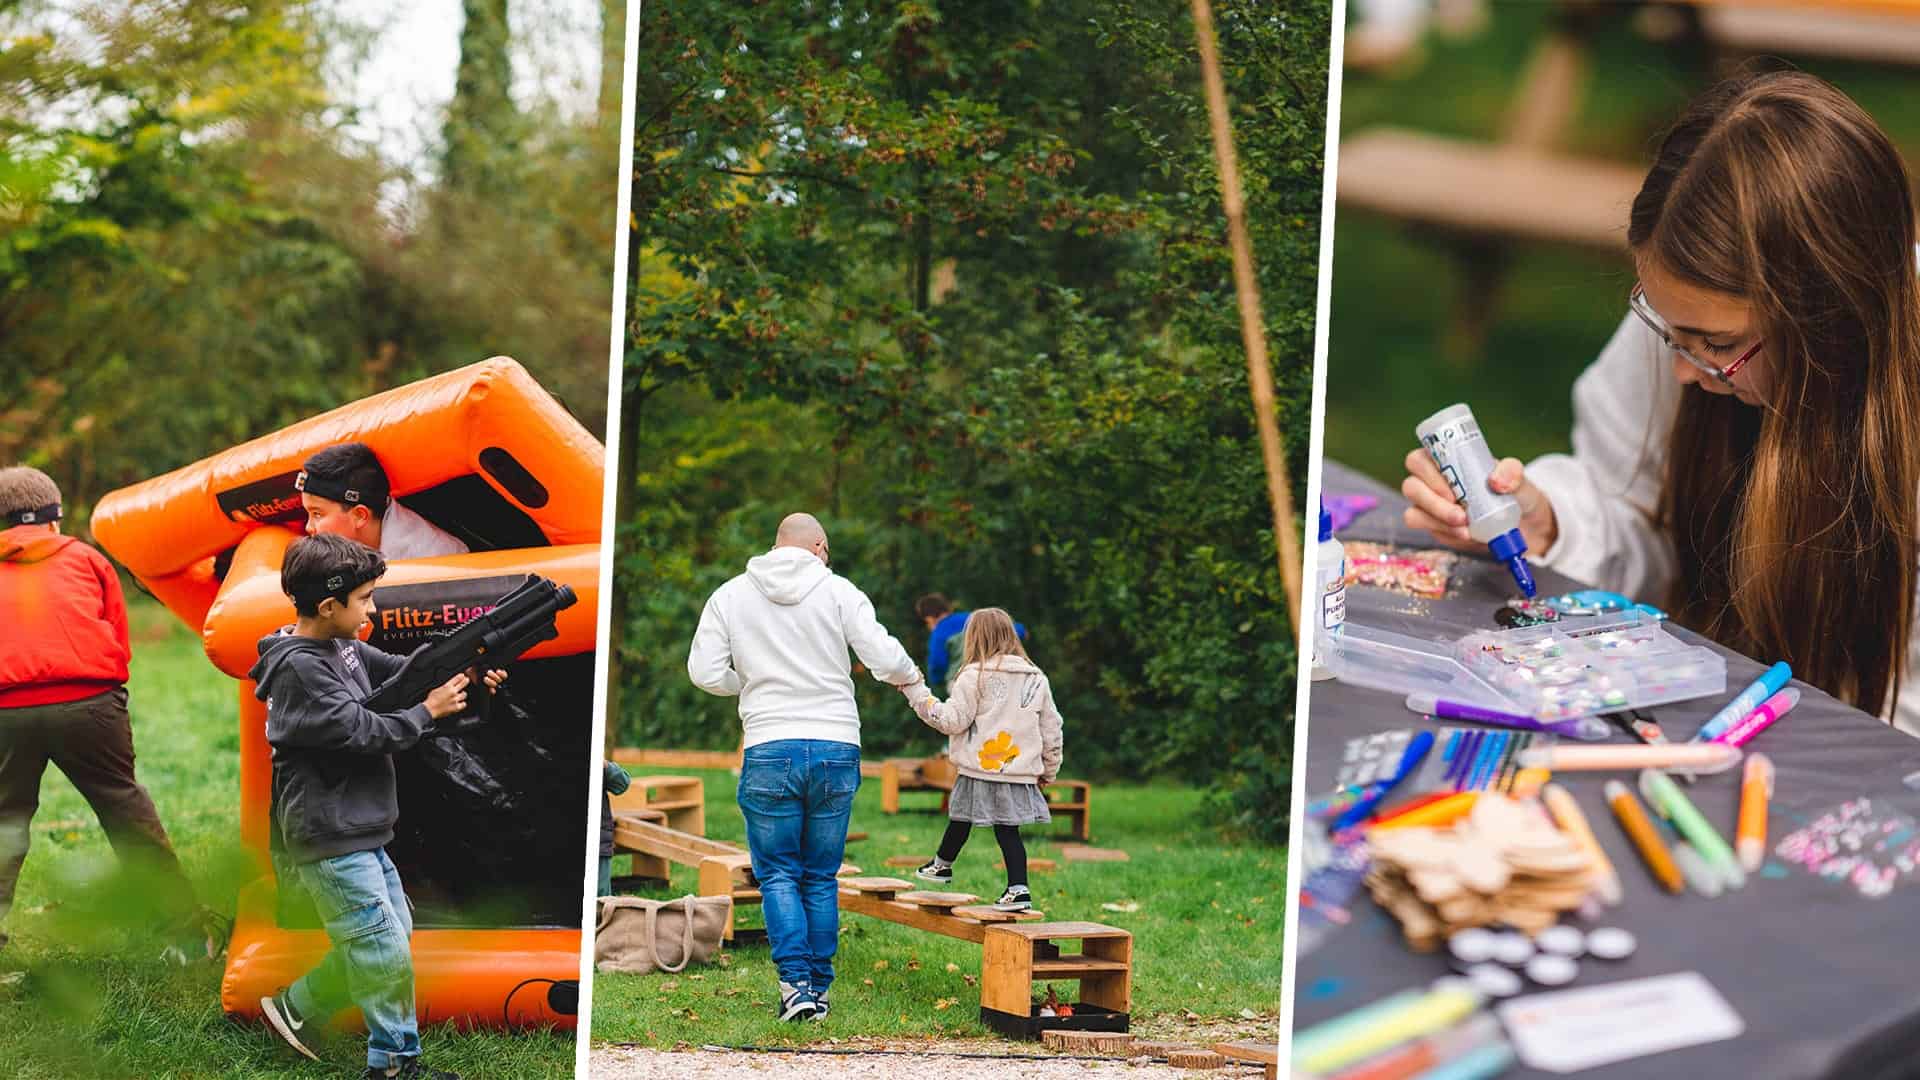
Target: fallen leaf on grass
{"points": [[1249, 1014], [913, 965], [953, 967], [1189, 1014], [946, 1003], [1122, 905], [879, 965], [670, 984], [868, 982], [972, 980], [696, 978]]}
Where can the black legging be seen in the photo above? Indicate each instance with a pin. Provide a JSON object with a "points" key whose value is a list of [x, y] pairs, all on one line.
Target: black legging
{"points": [[1011, 847]]}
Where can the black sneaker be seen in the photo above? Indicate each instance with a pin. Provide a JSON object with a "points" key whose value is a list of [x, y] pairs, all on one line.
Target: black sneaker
{"points": [[796, 1003], [1016, 898], [410, 1069], [933, 871], [285, 1022]]}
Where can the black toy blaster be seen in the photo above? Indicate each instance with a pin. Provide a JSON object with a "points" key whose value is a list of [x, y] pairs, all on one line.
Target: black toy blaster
{"points": [[523, 618]]}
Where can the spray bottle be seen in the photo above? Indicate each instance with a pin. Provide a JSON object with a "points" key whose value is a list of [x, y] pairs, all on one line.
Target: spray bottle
{"points": [[1453, 438], [1330, 579]]}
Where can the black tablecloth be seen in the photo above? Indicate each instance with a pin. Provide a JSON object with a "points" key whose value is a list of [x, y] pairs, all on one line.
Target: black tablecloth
{"points": [[1827, 981]]}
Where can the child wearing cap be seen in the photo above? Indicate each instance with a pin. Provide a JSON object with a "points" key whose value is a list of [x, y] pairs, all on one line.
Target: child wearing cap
{"points": [[63, 697], [344, 490]]}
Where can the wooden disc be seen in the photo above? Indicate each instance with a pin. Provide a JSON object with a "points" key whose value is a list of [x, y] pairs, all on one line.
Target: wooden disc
{"points": [[1088, 1042], [905, 860], [1033, 865], [1195, 1059]]}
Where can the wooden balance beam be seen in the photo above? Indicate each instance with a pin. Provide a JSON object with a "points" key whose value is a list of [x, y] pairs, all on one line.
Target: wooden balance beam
{"points": [[1017, 950], [722, 869]]}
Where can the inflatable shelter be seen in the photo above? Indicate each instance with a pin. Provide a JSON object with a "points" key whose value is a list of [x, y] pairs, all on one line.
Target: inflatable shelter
{"points": [[492, 836]]}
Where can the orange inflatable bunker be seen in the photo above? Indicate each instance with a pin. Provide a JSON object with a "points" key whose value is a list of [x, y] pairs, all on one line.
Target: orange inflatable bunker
{"points": [[493, 832]]}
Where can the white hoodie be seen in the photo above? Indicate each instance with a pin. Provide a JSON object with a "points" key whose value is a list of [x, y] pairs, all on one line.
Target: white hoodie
{"points": [[778, 636]]}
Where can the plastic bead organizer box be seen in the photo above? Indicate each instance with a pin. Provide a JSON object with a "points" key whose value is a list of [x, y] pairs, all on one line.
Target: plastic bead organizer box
{"points": [[491, 840]]}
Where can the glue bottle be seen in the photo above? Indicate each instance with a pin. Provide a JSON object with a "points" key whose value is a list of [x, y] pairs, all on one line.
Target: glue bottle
{"points": [[1454, 440], [1330, 578]]}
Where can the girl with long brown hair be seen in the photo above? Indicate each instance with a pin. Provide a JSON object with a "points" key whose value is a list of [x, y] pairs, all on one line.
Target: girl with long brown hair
{"points": [[1747, 446]]}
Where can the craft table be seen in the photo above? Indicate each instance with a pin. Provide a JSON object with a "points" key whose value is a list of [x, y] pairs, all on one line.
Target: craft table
{"points": [[1826, 980]]}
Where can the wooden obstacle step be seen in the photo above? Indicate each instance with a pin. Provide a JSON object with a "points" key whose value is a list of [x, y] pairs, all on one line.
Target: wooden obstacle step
{"points": [[942, 902], [1258, 1053], [1013, 956], [1083, 853], [882, 887], [1195, 1059], [1039, 866], [855, 837], [905, 860], [1088, 1042], [987, 913]]}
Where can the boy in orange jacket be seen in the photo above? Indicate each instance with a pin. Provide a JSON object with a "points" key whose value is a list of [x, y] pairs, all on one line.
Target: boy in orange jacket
{"points": [[63, 693]]}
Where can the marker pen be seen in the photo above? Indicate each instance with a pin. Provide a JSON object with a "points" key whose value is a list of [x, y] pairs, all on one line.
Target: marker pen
{"points": [[1767, 685], [1567, 815], [1668, 801], [1589, 728], [1761, 718], [1756, 787], [1697, 757], [1646, 839]]}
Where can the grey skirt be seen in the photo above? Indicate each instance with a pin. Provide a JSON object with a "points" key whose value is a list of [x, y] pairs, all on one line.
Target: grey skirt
{"points": [[990, 802]]}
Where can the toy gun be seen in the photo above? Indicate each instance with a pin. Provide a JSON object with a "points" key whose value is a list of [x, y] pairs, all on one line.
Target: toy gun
{"points": [[521, 619]]}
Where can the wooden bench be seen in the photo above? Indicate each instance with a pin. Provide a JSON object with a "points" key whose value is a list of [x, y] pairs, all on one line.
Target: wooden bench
{"points": [[1879, 37], [677, 759], [1072, 799], [1015, 956]]}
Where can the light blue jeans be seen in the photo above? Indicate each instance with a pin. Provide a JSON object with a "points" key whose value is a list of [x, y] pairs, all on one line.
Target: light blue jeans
{"points": [[797, 795], [369, 922]]}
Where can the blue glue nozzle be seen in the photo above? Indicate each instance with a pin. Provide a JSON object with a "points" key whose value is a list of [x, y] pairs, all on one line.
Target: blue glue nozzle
{"points": [[1511, 548], [1326, 522]]}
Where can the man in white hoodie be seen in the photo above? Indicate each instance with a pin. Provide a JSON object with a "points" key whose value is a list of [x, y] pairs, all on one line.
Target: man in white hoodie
{"points": [[778, 636]]}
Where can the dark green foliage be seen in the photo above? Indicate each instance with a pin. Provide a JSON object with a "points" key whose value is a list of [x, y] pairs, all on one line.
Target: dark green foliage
{"points": [[197, 248], [955, 278]]}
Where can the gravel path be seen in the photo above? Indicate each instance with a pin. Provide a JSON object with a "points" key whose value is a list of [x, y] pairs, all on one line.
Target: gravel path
{"points": [[639, 1063]]}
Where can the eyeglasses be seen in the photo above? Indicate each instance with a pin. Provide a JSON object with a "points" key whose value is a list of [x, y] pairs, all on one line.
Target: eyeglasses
{"points": [[1637, 302]]}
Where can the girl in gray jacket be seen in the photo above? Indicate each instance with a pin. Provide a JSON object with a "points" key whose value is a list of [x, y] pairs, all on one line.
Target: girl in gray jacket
{"points": [[1004, 738]]}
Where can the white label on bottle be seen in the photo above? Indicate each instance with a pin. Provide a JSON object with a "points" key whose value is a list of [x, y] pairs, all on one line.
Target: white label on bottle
{"points": [[1333, 606]]}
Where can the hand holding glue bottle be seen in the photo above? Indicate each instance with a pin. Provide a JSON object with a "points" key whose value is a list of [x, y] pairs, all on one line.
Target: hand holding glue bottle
{"points": [[1458, 450]]}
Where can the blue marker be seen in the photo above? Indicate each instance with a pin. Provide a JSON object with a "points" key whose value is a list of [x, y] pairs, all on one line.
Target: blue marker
{"points": [[1767, 685], [1411, 757]]}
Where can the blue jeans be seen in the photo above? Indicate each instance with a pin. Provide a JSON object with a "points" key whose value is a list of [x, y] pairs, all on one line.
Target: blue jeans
{"points": [[797, 795], [369, 922]]}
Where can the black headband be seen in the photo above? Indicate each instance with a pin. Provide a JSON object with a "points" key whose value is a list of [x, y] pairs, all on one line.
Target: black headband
{"points": [[335, 586], [328, 488], [35, 515]]}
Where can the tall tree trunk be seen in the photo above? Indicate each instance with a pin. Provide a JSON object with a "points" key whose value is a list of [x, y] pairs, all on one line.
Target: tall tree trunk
{"points": [[613, 53], [479, 133]]}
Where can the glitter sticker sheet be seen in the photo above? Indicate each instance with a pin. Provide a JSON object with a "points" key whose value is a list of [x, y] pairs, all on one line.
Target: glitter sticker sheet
{"points": [[1409, 573], [1872, 848]]}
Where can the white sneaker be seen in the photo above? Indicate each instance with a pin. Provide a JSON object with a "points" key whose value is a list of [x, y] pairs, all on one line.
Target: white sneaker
{"points": [[796, 1003], [1016, 898]]}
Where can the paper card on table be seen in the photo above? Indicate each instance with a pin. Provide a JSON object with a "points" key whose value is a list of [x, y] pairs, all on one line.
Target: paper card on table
{"points": [[1570, 1030]]}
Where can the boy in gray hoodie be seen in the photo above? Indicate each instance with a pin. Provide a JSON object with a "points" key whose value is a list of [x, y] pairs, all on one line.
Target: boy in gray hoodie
{"points": [[334, 803]]}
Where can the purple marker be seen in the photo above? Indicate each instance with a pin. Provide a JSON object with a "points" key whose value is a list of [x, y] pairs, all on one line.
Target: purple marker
{"points": [[1589, 728]]}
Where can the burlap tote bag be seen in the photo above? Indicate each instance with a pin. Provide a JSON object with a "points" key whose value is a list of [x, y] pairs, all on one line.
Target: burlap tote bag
{"points": [[637, 936]]}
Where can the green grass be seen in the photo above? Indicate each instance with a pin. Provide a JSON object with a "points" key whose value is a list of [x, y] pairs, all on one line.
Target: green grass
{"points": [[1392, 292], [97, 1000], [1207, 936]]}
